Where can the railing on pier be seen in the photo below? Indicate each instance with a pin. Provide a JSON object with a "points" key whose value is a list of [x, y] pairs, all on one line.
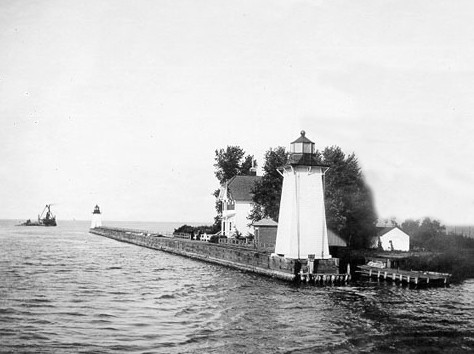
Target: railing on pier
{"points": [[128, 231], [182, 235], [235, 241], [270, 247]]}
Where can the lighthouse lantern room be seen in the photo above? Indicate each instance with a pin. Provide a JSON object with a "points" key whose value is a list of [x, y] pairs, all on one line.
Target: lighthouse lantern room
{"points": [[302, 230]]}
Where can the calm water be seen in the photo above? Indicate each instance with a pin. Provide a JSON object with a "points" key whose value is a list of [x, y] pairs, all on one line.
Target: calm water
{"points": [[63, 290]]}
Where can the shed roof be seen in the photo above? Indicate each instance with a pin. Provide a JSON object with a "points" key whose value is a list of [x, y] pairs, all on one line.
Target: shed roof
{"points": [[266, 222], [383, 230], [240, 187], [335, 240]]}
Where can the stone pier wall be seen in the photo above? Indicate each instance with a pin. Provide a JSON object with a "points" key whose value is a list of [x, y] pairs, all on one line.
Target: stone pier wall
{"points": [[246, 259]]}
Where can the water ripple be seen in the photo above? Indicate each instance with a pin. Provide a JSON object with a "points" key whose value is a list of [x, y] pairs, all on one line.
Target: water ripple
{"points": [[64, 290]]}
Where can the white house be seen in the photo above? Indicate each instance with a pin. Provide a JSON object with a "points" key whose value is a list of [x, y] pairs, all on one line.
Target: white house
{"points": [[391, 239], [236, 198]]}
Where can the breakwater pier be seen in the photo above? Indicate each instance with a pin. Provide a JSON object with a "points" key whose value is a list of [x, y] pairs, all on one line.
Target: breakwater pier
{"points": [[262, 262]]}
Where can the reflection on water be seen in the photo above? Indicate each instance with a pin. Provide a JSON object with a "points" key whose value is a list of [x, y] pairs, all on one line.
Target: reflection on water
{"points": [[64, 290]]}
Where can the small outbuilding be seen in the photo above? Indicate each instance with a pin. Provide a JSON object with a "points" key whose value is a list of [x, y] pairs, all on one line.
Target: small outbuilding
{"points": [[391, 239], [265, 231]]}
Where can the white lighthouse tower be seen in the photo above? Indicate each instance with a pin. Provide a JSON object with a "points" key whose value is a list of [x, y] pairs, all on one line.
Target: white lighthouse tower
{"points": [[302, 231], [96, 218]]}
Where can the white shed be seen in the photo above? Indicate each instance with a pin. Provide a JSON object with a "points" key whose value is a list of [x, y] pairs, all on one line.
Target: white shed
{"points": [[391, 239]]}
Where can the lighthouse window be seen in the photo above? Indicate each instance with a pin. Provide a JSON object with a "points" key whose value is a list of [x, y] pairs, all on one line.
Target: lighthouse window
{"points": [[307, 148], [297, 148]]}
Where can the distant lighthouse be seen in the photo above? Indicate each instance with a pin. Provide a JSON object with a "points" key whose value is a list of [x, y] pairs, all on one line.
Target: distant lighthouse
{"points": [[96, 218], [302, 229]]}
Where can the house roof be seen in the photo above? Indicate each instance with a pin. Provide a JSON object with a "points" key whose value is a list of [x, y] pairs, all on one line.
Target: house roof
{"points": [[383, 230], [240, 187], [265, 222]]}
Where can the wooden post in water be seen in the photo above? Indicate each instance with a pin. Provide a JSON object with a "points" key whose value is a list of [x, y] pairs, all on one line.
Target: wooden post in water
{"points": [[311, 263]]}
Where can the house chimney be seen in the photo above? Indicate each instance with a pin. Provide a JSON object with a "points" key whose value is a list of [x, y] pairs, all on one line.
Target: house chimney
{"points": [[253, 169]]}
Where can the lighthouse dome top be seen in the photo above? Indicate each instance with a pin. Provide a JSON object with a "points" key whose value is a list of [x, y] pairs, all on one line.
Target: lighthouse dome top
{"points": [[302, 138], [302, 145]]}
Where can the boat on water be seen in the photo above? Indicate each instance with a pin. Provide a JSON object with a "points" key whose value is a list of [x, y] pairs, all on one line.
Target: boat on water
{"points": [[48, 220]]}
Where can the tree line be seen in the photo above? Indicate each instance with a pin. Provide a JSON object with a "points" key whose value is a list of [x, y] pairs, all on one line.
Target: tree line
{"points": [[440, 251], [429, 234], [350, 211]]}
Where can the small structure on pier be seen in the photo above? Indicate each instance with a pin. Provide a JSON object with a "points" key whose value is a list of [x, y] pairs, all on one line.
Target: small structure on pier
{"points": [[265, 232], [96, 218]]}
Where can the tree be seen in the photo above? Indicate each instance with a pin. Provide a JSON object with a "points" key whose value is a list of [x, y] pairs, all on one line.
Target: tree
{"points": [[267, 192], [230, 162], [410, 227], [349, 205], [427, 233], [430, 229]]}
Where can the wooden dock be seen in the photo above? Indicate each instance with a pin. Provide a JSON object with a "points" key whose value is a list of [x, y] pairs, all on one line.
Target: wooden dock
{"points": [[405, 276]]}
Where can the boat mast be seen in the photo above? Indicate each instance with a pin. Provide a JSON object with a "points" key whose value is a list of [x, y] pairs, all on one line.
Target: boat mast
{"points": [[48, 214]]}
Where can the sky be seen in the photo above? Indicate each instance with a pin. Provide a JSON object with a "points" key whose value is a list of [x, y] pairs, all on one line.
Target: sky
{"points": [[123, 103]]}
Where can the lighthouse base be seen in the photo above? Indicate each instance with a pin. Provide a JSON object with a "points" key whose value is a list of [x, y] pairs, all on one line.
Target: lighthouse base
{"points": [[312, 266], [96, 221], [326, 266]]}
